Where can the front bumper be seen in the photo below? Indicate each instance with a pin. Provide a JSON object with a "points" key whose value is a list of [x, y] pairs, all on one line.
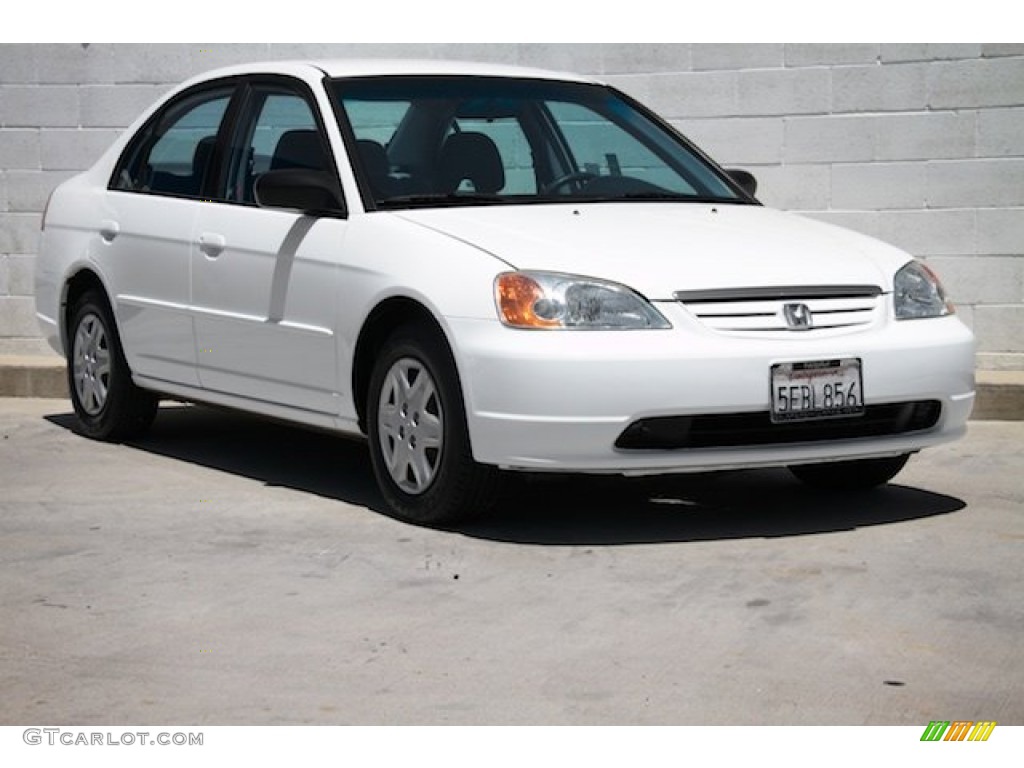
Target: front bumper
{"points": [[559, 401]]}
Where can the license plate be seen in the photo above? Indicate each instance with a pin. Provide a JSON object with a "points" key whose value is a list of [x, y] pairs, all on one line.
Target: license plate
{"points": [[822, 389]]}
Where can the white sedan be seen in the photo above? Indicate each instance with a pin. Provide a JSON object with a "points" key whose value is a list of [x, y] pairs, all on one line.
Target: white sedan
{"points": [[484, 269]]}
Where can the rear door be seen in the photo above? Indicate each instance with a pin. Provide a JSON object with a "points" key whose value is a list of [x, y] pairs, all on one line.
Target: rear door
{"points": [[148, 225]]}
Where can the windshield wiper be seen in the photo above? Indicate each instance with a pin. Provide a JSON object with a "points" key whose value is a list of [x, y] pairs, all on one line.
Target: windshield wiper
{"points": [[451, 199], [676, 197], [442, 199], [623, 197]]}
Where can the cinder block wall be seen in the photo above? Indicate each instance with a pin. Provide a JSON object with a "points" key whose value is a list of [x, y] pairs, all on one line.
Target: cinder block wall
{"points": [[921, 145]]}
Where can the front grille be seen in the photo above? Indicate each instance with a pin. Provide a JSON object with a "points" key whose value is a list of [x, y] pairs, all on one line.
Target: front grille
{"points": [[742, 311], [744, 429]]}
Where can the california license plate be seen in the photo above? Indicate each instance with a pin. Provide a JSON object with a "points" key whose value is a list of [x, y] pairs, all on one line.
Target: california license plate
{"points": [[822, 389]]}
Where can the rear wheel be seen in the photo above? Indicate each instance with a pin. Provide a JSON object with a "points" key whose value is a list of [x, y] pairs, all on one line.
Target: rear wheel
{"points": [[108, 404], [851, 475], [419, 441]]}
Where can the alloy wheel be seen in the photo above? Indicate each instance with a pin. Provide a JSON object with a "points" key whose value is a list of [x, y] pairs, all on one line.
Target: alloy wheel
{"points": [[410, 425], [91, 364]]}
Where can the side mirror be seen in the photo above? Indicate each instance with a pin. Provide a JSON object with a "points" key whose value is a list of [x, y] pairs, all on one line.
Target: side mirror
{"points": [[301, 189], [744, 180]]}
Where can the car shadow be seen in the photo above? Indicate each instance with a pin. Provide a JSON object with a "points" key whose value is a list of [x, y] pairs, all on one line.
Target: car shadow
{"points": [[767, 503], [274, 453], [541, 509]]}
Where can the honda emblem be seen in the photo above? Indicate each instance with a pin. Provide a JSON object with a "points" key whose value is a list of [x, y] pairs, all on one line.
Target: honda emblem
{"points": [[798, 317]]}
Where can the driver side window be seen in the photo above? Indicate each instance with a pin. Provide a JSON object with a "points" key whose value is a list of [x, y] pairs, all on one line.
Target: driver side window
{"points": [[600, 147]]}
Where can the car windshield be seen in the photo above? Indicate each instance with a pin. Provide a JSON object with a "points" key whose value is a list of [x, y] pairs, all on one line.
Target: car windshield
{"points": [[441, 141]]}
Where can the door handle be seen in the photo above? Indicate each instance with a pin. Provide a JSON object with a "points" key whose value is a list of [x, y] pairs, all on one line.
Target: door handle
{"points": [[212, 244], [109, 229]]}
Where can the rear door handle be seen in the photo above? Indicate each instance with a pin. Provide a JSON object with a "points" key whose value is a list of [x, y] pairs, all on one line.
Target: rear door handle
{"points": [[212, 244], [109, 229]]}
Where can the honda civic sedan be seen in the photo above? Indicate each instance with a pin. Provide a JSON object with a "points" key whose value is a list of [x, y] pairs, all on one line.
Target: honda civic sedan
{"points": [[484, 269]]}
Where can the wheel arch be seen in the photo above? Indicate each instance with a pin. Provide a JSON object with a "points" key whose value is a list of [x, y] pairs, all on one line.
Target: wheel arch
{"points": [[75, 286], [385, 318]]}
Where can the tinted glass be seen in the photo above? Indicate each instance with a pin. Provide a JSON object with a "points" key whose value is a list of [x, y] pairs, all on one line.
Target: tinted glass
{"points": [[173, 153], [280, 131], [472, 140], [509, 139]]}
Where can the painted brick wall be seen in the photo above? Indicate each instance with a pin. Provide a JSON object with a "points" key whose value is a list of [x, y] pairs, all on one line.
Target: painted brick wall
{"points": [[921, 145]]}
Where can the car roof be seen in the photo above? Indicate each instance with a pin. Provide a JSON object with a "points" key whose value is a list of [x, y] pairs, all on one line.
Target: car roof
{"points": [[310, 68]]}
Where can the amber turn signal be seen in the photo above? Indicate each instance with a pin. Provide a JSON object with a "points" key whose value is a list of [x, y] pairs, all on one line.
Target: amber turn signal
{"points": [[517, 296]]}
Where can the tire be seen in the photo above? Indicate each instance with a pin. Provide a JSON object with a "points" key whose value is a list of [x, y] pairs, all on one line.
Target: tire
{"points": [[107, 403], [419, 441], [861, 474]]}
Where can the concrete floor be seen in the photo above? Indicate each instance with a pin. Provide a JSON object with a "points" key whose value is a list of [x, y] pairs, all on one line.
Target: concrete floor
{"points": [[226, 571]]}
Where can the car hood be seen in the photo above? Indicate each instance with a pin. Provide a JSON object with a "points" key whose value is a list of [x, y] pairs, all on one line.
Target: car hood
{"points": [[660, 248]]}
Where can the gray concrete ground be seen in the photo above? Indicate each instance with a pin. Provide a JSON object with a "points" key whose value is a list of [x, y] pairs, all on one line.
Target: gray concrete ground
{"points": [[226, 570]]}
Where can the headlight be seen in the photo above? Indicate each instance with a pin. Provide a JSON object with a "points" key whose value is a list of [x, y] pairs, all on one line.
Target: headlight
{"points": [[918, 293], [555, 301]]}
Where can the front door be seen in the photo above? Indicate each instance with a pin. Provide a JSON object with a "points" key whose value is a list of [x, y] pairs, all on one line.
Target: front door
{"points": [[264, 281]]}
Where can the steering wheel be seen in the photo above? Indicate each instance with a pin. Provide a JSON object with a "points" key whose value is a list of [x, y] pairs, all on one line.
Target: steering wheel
{"points": [[576, 177]]}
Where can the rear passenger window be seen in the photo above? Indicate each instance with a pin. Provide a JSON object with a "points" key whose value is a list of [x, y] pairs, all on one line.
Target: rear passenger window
{"points": [[173, 156]]}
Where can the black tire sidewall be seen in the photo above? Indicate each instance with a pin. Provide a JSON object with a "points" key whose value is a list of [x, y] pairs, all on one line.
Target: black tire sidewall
{"points": [[127, 410], [439, 504]]}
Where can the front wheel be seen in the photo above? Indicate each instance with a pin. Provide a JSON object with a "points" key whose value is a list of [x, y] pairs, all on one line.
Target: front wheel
{"points": [[108, 404], [419, 441], [859, 474]]}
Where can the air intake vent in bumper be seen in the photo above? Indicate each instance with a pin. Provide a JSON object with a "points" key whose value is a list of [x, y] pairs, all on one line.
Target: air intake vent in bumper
{"points": [[742, 429]]}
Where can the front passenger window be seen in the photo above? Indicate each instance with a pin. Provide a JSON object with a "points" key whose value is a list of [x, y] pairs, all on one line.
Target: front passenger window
{"points": [[283, 134]]}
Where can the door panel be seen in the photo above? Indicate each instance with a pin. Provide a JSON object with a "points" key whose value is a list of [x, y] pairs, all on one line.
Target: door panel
{"points": [[265, 305], [152, 284], [147, 229], [264, 281]]}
